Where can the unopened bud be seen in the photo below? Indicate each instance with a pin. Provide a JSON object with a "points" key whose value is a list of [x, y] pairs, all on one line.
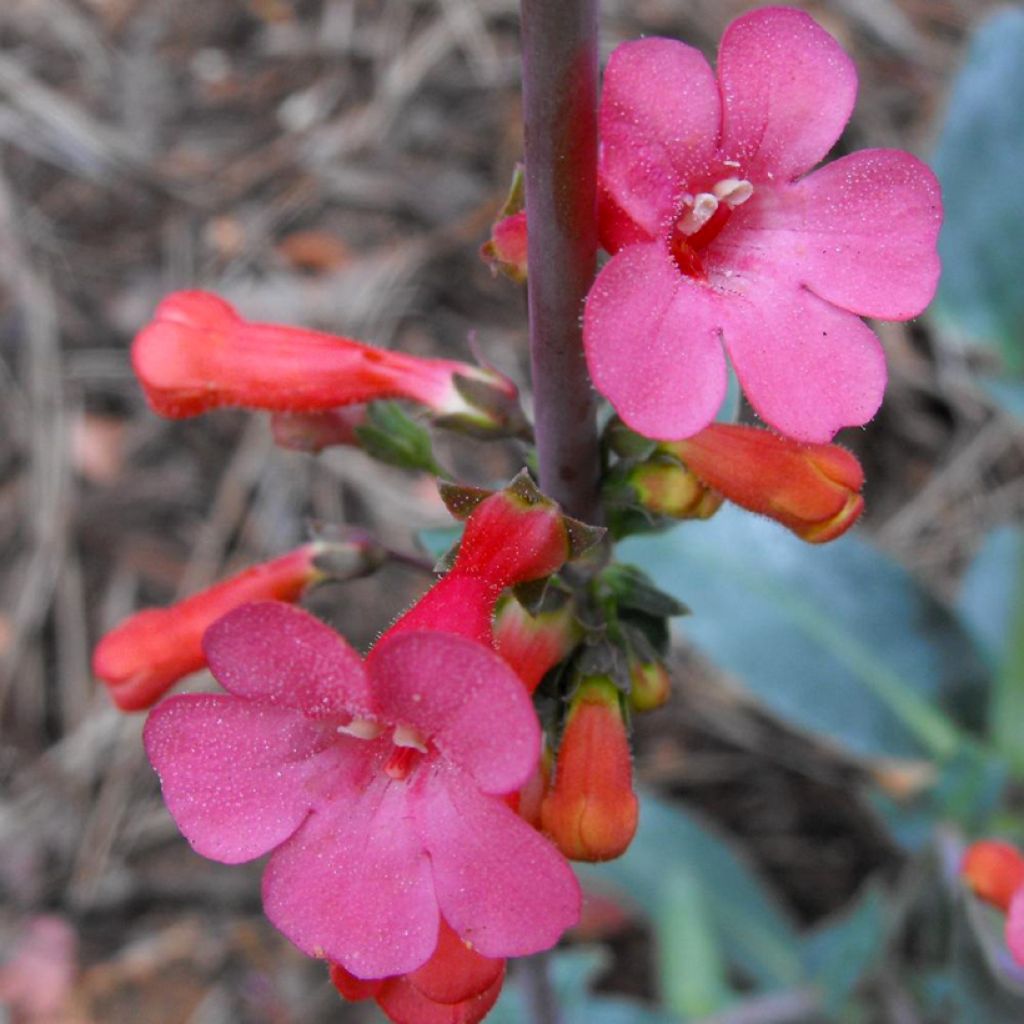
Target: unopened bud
{"points": [[994, 871], [811, 489], [591, 811], [650, 683], [505, 251], [533, 644], [665, 487]]}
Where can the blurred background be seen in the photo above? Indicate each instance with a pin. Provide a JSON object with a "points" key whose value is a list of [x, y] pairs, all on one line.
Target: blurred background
{"points": [[337, 164]]}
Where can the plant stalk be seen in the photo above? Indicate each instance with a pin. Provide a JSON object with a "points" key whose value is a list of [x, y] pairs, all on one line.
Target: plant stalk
{"points": [[560, 113]]}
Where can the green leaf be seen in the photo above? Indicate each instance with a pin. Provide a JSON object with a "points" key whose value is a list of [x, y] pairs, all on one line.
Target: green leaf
{"points": [[836, 639], [978, 160], [842, 951], [992, 605], [692, 969], [390, 435], [756, 934]]}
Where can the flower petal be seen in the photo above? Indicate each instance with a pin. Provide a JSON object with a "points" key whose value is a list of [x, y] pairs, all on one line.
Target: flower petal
{"points": [[860, 232], [462, 697], [405, 1004], [500, 884], [273, 652], [1015, 926], [787, 90], [808, 368], [234, 773], [354, 885], [652, 342], [659, 126]]}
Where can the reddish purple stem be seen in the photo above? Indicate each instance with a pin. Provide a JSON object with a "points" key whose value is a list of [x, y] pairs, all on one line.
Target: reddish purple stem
{"points": [[560, 112]]}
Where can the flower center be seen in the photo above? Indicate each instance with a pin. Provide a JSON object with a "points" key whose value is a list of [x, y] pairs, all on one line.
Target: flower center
{"points": [[409, 745], [700, 221]]}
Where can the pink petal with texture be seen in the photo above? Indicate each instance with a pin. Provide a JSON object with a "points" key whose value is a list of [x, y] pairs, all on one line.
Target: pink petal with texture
{"points": [[1015, 927], [464, 699], [652, 342], [273, 652], [235, 774], [807, 368], [787, 91], [500, 884], [860, 232], [354, 885], [659, 126]]}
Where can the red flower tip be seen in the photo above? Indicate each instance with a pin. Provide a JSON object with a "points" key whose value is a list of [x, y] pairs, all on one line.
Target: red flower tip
{"points": [[811, 489], [533, 644], [650, 684], [145, 655], [591, 812], [199, 354], [455, 986], [994, 871], [505, 251], [667, 488]]}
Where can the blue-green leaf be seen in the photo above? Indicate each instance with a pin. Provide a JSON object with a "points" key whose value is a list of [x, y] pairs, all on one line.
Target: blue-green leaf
{"points": [[836, 639], [978, 160]]}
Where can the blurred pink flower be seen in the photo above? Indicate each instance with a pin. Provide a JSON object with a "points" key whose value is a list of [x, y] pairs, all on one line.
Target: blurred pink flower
{"points": [[719, 238], [378, 787]]}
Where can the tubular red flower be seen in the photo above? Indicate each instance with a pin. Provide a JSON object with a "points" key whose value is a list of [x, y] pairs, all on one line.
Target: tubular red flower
{"points": [[150, 651], [811, 489], [591, 811], [199, 354], [533, 644]]}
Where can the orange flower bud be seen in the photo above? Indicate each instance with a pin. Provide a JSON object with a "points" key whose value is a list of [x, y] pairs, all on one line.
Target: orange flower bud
{"points": [[994, 871], [532, 644], [591, 811], [811, 489], [667, 488]]}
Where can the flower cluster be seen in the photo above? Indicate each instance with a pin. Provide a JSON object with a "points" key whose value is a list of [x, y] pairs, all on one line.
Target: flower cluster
{"points": [[418, 818]]}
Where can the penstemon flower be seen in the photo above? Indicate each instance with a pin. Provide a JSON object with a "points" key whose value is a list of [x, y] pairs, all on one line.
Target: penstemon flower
{"points": [[199, 354], [719, 238], [378, 787]]}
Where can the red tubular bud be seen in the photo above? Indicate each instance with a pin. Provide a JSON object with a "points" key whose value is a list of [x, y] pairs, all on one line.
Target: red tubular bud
{"points": [[150, 651], [811, 489], [199, 354], [994, 871], [666, 488], [533, 644], [505, 251], [591, 812]]}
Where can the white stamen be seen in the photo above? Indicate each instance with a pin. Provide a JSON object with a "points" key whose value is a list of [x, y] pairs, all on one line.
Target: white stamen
{"points": [[733, 191], [701, 211], [362, 729], [407, 736]]}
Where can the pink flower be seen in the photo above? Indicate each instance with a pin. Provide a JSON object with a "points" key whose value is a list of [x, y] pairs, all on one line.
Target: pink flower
{"points": [[378, 786], [719, 238]]}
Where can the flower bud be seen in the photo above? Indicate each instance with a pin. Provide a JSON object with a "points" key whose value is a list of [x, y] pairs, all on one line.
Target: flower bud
{"points": [[591, 811], [811, 489], [505, 251], [533, 644], [150, 651], [650, 683], [994, 871], [667, 488], [199, 354]]}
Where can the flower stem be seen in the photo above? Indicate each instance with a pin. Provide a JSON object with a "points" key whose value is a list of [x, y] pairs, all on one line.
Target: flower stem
{"points": [[560, 113]]}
